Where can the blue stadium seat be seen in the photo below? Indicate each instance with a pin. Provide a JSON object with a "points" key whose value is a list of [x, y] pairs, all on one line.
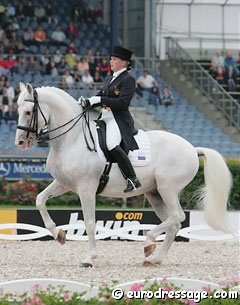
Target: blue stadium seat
{"points": [[63, 49], [91, 36], [45, 25], [15, 79], [33, 49], [42, 48], [74, 93], [27, 78], [104, 51], [87, 43], [34, 24], [47, 79], [151, 109], [82, 27], [96, 43], [37, 80], [21, 71], [20, 34], [23, 24], [52, 48]]}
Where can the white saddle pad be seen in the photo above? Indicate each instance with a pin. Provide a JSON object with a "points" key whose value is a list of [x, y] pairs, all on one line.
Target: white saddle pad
{"points": [[139, 157]]}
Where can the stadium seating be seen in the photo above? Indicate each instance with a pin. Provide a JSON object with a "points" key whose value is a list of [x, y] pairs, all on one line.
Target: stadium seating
{"points": [[89, 37], [180, 118], [185, 120]]}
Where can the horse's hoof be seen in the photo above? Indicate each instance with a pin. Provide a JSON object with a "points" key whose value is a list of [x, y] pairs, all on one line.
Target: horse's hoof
{"points": [[148, 264], [61, 238], [149, 250], [86, 265]]}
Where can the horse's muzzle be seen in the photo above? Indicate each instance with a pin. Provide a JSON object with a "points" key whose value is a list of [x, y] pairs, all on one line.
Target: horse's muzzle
{"points": [[23, 142]]}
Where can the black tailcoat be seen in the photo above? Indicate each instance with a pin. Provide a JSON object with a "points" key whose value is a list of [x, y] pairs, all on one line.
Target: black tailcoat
{"points": [[117, 95]]}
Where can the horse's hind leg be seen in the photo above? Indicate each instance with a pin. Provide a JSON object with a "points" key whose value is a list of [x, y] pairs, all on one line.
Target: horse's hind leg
{"points": [[52, 190], [157, 203], [171, 216]]}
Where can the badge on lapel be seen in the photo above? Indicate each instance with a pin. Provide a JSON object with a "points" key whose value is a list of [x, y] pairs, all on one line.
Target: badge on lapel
{"points": [[116, 90]]}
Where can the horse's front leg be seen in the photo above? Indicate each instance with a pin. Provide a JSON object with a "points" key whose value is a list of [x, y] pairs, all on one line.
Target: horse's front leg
{"points": [[88, 202], [52, 190]]}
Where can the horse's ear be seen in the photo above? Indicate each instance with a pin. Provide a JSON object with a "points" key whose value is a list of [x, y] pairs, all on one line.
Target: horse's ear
{"points": [[22, 86], [29, 88]]}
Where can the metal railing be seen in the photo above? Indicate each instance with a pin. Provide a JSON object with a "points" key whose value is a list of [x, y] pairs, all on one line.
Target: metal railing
{"points": [[207, 85], [203, 48]]}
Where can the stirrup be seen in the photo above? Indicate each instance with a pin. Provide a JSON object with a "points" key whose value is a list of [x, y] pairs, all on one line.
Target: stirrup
{"points": [[132, 184]]}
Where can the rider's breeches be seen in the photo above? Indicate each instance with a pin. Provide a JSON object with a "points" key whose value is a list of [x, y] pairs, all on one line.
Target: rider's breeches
{"points": [[113, 135]]}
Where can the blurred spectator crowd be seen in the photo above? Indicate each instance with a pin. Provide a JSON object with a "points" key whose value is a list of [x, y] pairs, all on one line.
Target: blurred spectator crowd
{"points": [[225, 69], [58, 42]]}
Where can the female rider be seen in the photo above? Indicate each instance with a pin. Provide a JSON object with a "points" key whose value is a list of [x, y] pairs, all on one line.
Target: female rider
{"points": [[115, 97]]}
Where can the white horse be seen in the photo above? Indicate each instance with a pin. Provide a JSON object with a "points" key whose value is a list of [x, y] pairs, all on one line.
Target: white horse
{"points": [[174, 163]]}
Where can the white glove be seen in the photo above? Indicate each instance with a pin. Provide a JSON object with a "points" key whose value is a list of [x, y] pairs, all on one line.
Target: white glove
{"points": [[81, 101], [94, 100]]}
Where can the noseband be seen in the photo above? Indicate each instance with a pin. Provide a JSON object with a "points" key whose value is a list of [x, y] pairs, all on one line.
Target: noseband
{"points": [[33, 125]]}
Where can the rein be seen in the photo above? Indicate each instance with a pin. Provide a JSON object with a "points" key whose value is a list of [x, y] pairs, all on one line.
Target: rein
{"points": [[34, 124]]}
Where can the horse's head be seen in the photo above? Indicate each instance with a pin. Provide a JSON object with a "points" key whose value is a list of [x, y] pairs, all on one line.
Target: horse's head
{"points": [[30, 123]]}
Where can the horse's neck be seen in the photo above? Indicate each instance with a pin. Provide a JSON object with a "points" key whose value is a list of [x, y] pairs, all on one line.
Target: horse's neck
{"points": [[62, 110]]}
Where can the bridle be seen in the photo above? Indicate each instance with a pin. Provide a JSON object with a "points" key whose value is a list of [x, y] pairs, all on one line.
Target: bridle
{"points": [[33, 125]]}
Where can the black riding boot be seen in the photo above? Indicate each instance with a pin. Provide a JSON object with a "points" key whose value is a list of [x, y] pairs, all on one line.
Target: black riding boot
{"points": [[126, 167]]}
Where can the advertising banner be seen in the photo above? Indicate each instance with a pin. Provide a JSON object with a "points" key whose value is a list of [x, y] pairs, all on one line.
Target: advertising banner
{"points": [[107, 221], [8, 216], [14, 169], [131, 225]]}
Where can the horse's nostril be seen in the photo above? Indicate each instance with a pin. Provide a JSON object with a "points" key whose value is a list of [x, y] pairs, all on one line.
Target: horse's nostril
{"points": [[21, 142]]}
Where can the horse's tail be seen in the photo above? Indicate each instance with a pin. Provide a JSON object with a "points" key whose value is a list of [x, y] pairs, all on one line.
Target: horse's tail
{"points": [[215, 194]]}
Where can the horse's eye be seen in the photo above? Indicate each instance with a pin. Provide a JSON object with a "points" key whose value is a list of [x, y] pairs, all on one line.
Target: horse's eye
{"points": [[28, 113]]}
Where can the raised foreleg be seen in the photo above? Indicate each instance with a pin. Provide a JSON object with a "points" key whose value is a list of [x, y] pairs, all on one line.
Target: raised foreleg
{"points": [[52, 190]]}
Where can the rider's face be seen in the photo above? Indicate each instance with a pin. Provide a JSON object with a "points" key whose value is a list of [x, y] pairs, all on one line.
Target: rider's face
{"points": [[117, 63]]}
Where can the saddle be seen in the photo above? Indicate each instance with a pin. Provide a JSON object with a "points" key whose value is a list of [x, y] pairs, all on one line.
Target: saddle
{"points": [[101, 133], [140, 157]]}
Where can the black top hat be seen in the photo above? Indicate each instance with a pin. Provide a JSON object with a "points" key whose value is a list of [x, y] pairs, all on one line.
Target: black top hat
{"points": [[122, 53]]}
